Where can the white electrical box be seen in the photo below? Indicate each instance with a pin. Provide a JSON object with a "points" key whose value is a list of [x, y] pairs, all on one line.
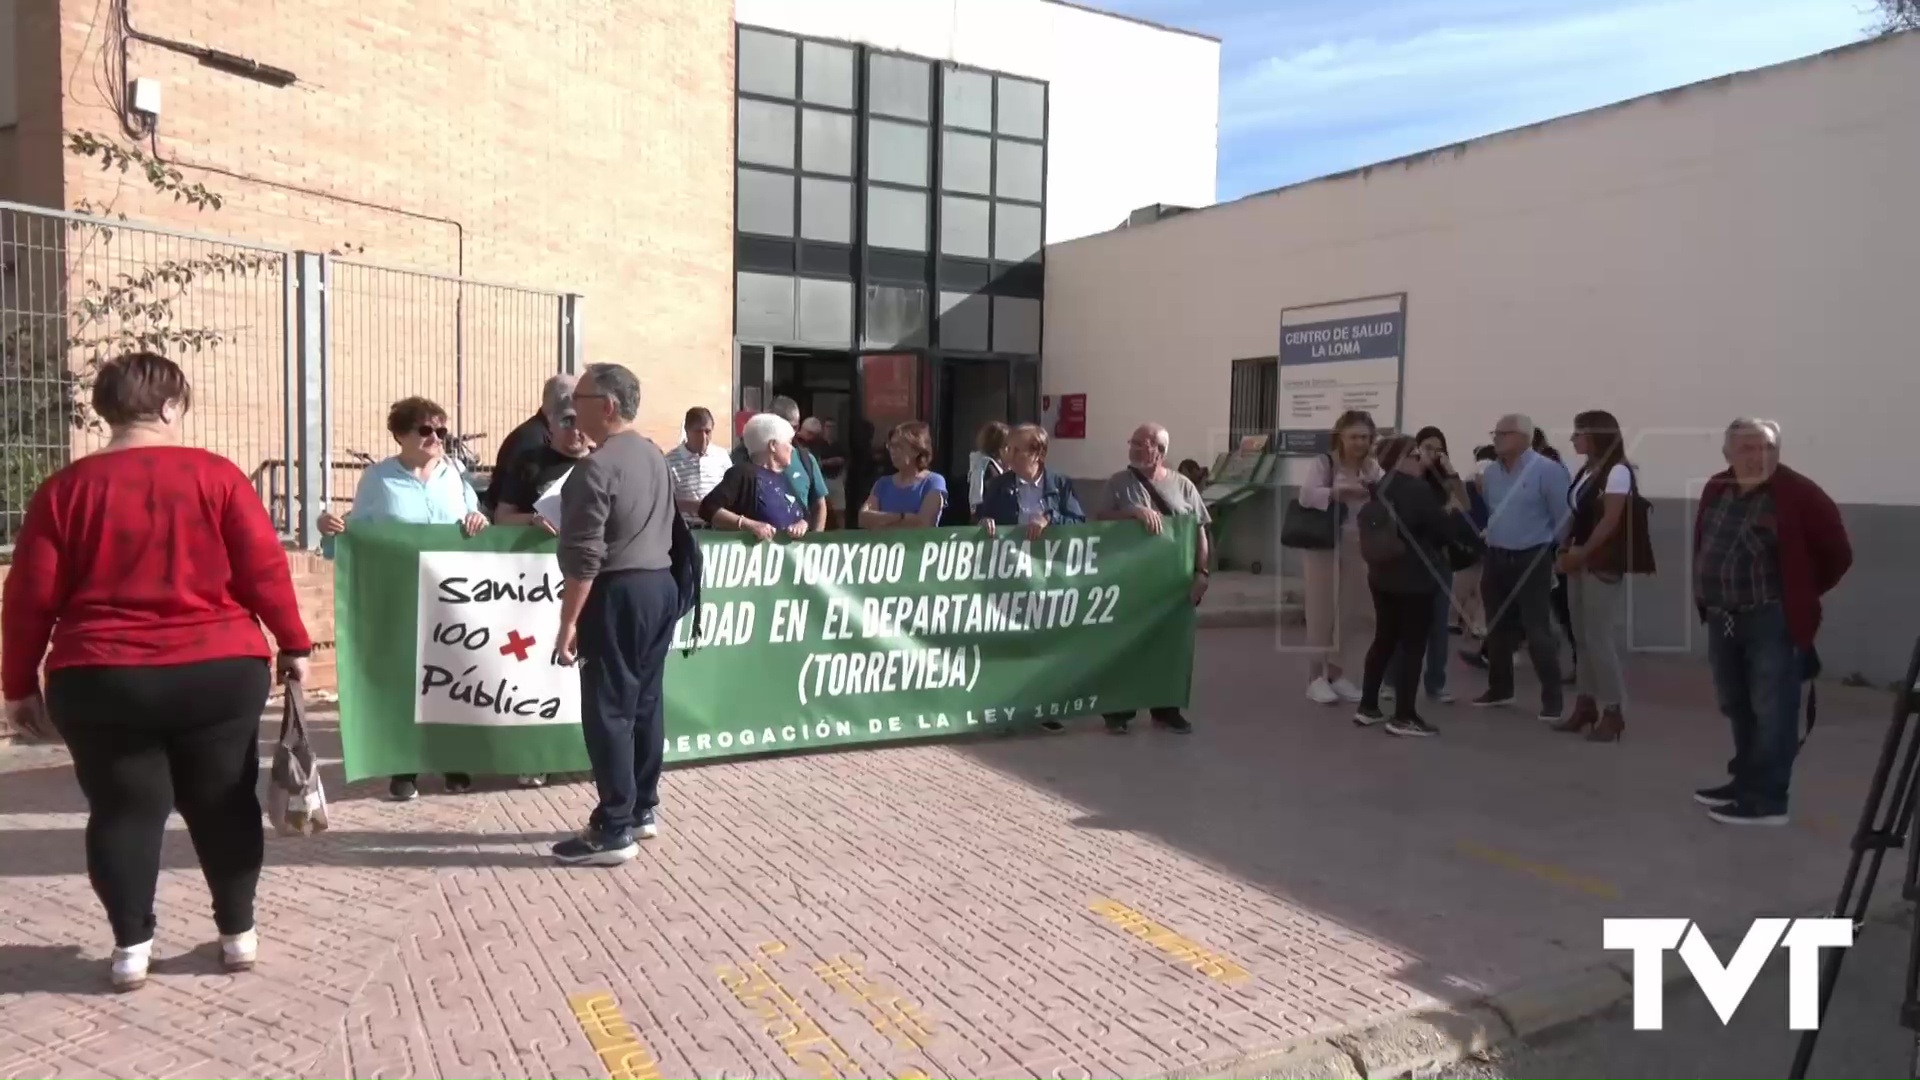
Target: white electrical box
{"points": [[146, 96]]}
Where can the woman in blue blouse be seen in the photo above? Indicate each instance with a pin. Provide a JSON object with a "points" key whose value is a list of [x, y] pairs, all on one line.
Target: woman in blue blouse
{"points": [[1027, 493], [417, 486], [913, 497]]}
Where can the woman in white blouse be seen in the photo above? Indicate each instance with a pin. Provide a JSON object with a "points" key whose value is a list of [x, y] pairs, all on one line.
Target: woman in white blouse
{"points": [[1596, 557], [1339, 603]]}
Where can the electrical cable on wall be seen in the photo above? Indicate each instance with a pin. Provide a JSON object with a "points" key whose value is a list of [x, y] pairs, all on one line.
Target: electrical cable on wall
{"points": [[138, 125], [122, 36]]}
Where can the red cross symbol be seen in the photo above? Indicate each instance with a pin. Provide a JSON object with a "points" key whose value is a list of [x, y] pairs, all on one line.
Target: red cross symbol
{"points": [[516, 645]]}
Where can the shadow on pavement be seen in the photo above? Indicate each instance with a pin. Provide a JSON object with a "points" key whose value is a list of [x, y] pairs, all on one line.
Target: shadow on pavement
{"points": [[50, 969], [1490, 855]]}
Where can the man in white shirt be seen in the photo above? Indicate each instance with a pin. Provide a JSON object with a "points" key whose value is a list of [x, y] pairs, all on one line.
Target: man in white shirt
{"points": [[697, 465]]}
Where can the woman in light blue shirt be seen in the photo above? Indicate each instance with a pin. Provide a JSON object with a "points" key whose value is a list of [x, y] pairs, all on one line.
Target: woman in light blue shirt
{"points": [[417, 486], [913, 497]]}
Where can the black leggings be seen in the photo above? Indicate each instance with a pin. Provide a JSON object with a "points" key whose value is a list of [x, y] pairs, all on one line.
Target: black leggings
{"points": [[1401, 623], [147, 741]]}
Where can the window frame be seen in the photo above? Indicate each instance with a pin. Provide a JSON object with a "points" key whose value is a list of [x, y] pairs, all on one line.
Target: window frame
{"points": [[807, 255], [1262, 374], [855, 261], [1022, 278]]}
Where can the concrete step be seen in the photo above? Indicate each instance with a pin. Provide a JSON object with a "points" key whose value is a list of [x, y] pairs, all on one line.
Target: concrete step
{"points": [[1243, 599]]}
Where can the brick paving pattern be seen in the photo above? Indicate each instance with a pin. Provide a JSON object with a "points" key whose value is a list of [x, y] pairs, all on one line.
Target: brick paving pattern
{"points": [[1079, 905]]}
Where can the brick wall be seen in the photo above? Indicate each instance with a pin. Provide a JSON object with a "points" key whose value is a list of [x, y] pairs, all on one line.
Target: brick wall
{"points": [[584, 146]]}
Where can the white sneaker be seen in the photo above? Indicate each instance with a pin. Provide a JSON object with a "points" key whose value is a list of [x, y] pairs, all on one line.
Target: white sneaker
{"points": [[239, 951], [1346, 690], [130, 966], [1322, 692]]}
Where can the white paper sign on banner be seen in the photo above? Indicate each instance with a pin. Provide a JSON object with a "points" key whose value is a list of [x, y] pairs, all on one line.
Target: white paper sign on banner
{"points": [[549, 505], [487, 621]]}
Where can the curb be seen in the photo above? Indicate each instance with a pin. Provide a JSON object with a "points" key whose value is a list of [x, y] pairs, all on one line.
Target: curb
{"points": [[1429, 1040]]}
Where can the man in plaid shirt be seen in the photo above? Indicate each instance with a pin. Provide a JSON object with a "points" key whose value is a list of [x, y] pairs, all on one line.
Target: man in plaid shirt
{"points": [[1768, 544]]}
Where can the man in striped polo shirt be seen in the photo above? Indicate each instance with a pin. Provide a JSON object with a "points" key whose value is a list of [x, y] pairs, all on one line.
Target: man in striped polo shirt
{"points": [[697, 465]]}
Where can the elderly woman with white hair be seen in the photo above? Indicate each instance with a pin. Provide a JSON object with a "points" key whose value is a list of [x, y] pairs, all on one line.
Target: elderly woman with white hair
{"points": [[755, 496]]}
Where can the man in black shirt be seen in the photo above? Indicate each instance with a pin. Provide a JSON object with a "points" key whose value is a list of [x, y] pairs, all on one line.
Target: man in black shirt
{"points": [[531, 476], [532, 434]]}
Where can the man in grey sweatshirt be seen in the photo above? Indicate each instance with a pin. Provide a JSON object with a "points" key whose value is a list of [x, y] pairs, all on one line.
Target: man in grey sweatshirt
{"points": [[618, 612]]}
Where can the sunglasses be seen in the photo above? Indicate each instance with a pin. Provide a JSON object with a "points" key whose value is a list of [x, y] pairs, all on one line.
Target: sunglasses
{"points": [[428, 431]]}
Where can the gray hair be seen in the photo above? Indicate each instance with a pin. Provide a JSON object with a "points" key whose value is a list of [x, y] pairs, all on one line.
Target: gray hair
{"points": [[1161, 437], [1522, 424], [786, 408], [556, 398], [1768, 428], [621, 386], [765, 429]]}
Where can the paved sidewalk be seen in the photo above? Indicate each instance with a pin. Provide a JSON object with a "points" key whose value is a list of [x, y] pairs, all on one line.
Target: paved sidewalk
{"points": [[1076, 905]]}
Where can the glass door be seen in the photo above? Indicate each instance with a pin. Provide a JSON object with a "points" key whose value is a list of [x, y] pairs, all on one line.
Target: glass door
{"points": [[752, 375], [892, 390]]}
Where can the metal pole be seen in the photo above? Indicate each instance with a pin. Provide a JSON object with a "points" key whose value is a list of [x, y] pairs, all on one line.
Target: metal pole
{"points": [[573, 341], [311, 364], [290, 393]]}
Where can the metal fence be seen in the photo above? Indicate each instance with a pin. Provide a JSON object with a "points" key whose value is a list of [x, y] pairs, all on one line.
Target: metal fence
{"points": [[479, 351], [295, 357]]}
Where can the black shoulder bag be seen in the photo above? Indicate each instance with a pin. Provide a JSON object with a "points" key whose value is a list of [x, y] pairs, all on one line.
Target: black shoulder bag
{"points": [[1307, 528]]}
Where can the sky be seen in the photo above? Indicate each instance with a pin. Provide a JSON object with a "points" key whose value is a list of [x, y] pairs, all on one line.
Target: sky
{"points": [[1312, 87]]}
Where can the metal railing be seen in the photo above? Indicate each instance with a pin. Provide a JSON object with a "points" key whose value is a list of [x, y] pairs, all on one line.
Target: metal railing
{"points": [[294, 357], [479, 351], [77, 290]]}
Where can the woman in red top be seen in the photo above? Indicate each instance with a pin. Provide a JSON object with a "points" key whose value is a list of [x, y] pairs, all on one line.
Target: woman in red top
{"points": [[151, 566]]}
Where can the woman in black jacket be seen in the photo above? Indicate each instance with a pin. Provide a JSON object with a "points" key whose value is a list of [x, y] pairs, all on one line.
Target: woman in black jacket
{"points": [[1404, 586]]}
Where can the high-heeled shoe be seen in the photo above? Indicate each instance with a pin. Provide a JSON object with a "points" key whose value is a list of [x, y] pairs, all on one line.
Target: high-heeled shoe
{"points": [[1585, 714], [1610, 727]]}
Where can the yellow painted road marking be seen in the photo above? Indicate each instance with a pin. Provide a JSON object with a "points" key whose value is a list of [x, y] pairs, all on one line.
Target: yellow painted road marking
{"points": [[890, 1012], [1556, 875], [783, 1018], [1182, 949], [619, 1046]]}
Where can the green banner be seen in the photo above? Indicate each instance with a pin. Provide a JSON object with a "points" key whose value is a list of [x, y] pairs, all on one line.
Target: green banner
{"points": [[445, 643]]}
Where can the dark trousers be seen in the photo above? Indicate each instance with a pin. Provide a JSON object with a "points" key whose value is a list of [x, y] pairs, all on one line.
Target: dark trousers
{"points": [[1402, 622], [1756, 677], [1518, 587], [150, 740], [1563, 614], [625, 631], [1436, 671]]}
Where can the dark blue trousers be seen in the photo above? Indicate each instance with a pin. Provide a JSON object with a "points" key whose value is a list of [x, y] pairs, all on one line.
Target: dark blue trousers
{"points": [[625, 631]]}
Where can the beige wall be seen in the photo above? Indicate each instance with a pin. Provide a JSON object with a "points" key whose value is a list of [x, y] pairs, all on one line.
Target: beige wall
{"points": [[1747, 245]]}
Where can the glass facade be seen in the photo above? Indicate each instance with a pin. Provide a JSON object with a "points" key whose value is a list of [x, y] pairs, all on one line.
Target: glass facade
{"points": [[887, 202]]}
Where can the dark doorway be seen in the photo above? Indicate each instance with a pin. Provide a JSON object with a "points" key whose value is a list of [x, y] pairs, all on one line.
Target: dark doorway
{"points": [[973, 393]]}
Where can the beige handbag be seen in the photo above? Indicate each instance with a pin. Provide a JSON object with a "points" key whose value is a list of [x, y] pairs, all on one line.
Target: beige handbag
{"points": [[296, 802]]}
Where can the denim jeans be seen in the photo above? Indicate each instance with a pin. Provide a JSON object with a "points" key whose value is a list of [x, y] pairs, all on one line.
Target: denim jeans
{"points": [[1756, 676], [1435, 673]]}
